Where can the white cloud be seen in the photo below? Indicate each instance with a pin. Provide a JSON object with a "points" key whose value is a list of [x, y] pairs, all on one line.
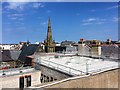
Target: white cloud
{"points": [[13, 18], [38, 5], [44, 23], [86, 23], [116, 19], [21, 1], [16, 5], [15, 15], [113, 7], [90, 20], [21, 4], [93, 21], [65, 0]]}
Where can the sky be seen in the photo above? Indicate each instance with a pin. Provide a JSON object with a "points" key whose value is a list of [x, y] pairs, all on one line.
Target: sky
{"points": [[22, 21]]}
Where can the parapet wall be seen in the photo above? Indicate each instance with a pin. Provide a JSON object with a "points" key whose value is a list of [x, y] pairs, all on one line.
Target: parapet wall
{"points": [[108, 79], [51, 72]]}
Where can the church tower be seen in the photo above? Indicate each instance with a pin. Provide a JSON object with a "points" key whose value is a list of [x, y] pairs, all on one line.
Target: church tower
{"points": [[49, 44], [49, 34]]}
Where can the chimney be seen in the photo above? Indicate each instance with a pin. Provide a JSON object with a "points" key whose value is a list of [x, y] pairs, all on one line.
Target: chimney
{"points": [[108, 41], [82, 41]]}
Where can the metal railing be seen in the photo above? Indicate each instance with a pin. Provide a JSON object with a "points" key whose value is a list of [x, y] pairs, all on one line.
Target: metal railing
{"points": [[62, 68], [70, 70]]}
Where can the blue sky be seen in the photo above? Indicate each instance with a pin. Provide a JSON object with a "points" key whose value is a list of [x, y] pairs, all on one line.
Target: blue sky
{"points": [[24, 21]]}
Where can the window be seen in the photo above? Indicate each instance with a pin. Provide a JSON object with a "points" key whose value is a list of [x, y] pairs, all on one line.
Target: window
{"points": [[28, 80], [21, 82]]}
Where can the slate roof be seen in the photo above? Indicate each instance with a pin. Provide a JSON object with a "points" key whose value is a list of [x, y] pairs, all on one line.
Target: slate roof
{"points": [[64, 43], [27, 50], [4, 58], [14, 54], [9, 55]]}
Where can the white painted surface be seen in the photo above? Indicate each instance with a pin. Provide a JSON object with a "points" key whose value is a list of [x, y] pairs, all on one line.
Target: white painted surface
{"points": [[79, 63]]}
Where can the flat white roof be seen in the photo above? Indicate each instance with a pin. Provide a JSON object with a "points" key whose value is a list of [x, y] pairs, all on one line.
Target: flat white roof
{"points": [[77, 65]]}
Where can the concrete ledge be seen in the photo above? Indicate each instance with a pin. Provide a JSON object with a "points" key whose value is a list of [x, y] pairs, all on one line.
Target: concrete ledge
{"points": [[105, 79]]}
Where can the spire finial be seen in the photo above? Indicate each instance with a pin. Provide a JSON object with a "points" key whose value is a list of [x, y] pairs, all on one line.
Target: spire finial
{"points": [[49, 22], [49, 17]]}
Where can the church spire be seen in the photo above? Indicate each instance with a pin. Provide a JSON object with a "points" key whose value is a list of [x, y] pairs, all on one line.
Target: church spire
{"points": [[49, 45], [49, 25], [49, 33]]}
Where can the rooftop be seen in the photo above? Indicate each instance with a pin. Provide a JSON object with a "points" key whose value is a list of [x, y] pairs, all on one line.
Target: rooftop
{"points": [[77, 65], [9, 55]]}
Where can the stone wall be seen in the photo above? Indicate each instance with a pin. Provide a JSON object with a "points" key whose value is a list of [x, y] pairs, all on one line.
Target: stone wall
{"points": [[107, 79], [50, 72]]}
